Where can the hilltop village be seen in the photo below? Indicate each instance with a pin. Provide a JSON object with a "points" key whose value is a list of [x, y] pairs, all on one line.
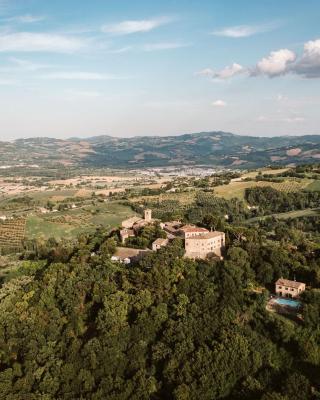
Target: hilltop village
{"points": [[199, 243]]}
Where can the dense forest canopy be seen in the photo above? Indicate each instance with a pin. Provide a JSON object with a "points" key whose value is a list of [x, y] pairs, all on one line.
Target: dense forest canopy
{"points": [[74, 325]]}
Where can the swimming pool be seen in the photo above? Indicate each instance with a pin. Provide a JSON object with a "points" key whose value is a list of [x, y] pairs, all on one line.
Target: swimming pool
{"points": [[288, 302]]}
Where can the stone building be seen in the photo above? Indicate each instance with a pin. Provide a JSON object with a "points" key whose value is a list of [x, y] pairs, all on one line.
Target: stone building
{"points": [[125, 234], [158, 243], [204, 244], [188, 231], [148, 215], [137, 223], [287, 288], [128, 223]]}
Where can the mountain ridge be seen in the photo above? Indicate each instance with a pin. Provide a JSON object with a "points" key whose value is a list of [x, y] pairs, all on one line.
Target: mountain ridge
{"points": [[215, 148]]}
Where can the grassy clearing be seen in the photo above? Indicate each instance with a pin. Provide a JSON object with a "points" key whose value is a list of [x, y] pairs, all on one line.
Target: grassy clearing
{"points": [[314, 186], [253, 174], [290, 214], [55, 195], [69, 224]]}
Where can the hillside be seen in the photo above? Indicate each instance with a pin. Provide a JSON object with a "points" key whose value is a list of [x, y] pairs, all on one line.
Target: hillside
{"points": [[205, 148]]}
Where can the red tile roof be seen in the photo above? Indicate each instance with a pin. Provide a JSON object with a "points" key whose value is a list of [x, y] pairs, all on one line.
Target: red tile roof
{"points": [[190, 228], [286, 282]]}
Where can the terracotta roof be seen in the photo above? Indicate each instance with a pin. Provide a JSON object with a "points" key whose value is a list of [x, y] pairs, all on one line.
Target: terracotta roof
{"points": [[131, 220], [286, 282], [191, 228], [209, 235]]}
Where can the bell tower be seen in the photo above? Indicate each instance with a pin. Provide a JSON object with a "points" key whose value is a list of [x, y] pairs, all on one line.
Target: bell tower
{"points": [[148, 215]]}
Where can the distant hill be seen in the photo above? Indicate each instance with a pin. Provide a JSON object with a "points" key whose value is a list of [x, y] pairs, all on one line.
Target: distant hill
{"points": [[205, 148]]}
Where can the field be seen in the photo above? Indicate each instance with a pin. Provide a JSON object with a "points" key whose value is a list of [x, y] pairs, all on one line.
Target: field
{"points": [[70, 223], [291, 214], [314, 186], [237, 189], [184, 198]]}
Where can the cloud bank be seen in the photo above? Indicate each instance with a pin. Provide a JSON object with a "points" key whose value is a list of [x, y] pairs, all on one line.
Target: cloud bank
{"points": [[277, 63]]}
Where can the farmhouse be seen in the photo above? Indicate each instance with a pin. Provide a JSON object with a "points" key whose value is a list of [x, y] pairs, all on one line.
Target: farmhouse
{"points": [[287, 288], [158, 243]]}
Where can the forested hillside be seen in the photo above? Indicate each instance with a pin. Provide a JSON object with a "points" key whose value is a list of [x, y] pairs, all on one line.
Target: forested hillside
{"points": [[74, 325], [220, 149]]}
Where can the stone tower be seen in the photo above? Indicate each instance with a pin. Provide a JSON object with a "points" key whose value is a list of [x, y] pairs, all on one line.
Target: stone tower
{"points": [[148, 215]]}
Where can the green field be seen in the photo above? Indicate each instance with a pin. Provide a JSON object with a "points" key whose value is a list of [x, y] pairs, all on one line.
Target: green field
{"points": [[286, 215], [70, 223], [237, 189], [314, 186]]}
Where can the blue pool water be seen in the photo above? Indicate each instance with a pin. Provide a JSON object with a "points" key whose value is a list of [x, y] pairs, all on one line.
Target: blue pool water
{"points": [[288, 302]]}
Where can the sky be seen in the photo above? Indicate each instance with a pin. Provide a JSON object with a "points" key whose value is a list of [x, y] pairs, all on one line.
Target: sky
{"points": [[139, 67]]}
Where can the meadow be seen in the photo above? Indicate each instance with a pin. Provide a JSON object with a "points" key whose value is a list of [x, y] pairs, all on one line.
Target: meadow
{"points": [[69, 224]]}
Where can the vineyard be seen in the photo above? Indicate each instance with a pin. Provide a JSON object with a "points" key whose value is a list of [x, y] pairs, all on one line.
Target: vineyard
{"points": [[12, 233]]}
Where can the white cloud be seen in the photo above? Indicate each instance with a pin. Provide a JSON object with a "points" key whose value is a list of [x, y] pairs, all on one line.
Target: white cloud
{"points": [[121, 50], [80, 76], [39, 42], [27, 18], [28, 65], [277, 63], [309, 64], [242, 31], [219, 103], [135, 26], [164, 46], [226, 73]]}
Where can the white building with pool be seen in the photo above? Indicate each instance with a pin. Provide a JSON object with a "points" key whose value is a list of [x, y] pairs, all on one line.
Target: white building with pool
{"points": [[287, 288]]}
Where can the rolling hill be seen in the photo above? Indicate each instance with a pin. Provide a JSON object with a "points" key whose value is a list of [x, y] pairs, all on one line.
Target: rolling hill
{"points": [[219, 149]]}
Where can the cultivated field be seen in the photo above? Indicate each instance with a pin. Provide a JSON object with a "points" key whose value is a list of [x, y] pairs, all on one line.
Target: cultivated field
{"points": [[68, 224], [237, 189]]}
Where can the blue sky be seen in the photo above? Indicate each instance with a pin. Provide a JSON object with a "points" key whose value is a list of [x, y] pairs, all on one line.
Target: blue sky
{"points": [[126, 67]]}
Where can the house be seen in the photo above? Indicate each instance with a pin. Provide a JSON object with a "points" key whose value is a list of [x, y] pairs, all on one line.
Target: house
{"points": [[125, 234], [287, 288], [158, 243], [203, 244]]}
